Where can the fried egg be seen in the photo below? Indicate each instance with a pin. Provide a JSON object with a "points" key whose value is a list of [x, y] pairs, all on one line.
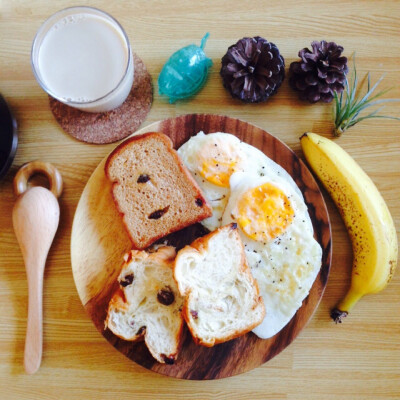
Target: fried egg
{"points": [[281, 251], [214, 158], [245, 186]]}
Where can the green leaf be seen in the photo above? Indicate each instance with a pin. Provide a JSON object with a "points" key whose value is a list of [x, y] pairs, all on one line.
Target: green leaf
{"points": [[335, 96], [353, 91], [370, 91]]}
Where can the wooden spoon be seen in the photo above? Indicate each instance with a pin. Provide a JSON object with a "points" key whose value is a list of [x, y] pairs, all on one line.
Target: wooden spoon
{"points": [[36, 215]]}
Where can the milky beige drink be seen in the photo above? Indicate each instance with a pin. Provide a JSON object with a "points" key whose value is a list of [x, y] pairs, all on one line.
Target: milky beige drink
{"points": [[82, 57]]}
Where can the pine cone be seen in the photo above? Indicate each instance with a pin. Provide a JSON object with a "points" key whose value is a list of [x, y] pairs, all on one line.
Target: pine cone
{"points": [[252, 69], [320, 73]]}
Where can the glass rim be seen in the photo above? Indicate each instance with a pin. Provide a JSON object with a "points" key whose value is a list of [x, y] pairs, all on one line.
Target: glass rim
{"points": [[35, 68]]}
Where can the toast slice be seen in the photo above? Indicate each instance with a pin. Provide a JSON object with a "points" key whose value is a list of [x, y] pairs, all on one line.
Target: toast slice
{"points": [[152, 189], [148, 304], [222, 300]]}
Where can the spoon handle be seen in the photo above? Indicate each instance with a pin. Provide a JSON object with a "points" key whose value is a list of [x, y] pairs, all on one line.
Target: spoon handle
{"points": [[34, 329]]}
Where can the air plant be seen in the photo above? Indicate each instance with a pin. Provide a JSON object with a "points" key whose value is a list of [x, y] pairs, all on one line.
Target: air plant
{"points": [[349, 104]]}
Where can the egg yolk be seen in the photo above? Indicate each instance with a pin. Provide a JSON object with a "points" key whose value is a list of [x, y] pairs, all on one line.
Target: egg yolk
{"points": [[217, 162], [264, 212]]}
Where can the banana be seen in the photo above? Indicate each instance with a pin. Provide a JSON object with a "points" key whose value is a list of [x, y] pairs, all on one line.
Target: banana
{"points": [[365, 214]]}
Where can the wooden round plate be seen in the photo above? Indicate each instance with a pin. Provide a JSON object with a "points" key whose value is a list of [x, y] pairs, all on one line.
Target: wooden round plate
{"points": [[99, 242]]}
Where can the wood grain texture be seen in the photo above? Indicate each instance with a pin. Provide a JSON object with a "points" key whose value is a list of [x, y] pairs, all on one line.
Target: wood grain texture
{"points": [[97, 247], [357, 360]]}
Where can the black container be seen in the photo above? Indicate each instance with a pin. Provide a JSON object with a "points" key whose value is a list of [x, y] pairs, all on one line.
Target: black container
{"points": [[8, 137]]}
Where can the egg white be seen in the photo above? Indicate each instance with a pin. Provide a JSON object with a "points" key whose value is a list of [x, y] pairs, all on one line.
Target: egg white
{"points": [[285, 267], [216, 195]]}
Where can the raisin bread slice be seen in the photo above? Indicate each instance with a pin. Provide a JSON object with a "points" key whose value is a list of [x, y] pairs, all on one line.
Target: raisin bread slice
{"points": [[148, 304], [152, 189], [222, 300]]}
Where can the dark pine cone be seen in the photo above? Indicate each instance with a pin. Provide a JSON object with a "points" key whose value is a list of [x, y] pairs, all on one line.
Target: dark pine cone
{"points": [[252, 69], [320, 73]]}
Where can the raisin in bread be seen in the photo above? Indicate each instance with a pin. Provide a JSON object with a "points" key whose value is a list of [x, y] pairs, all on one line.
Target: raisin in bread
{"points": [[152, 189], [148, 303], [222, 300]]}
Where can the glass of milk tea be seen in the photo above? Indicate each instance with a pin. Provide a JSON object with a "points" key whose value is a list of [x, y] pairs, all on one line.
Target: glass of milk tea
{"points": [[81, 56]]}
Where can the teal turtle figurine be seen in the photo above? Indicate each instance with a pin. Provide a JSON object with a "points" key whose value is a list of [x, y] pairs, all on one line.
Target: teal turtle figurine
{"points": [[185, 72]]}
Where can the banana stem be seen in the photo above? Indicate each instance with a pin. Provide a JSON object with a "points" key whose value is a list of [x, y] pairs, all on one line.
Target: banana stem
{"points": [[345, 306], [338, 315]]}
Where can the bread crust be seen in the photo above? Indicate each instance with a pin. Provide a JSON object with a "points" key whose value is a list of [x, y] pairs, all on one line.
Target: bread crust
{"points": [[164, 256], [235, 335], [207, 210], [117, 151], [200, 245]]}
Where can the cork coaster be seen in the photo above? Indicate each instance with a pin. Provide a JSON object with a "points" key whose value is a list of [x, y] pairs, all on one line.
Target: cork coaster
{"points": [[110, 126]]}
